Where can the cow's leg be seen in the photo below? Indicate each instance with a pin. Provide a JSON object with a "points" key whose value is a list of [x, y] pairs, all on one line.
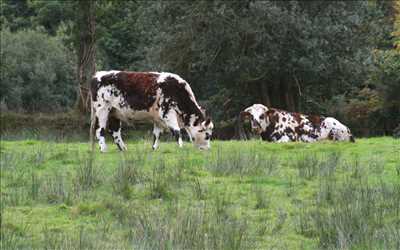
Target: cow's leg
{"points": [[102, 116], [171, 121], [156, 136], [188, 133], [114, 127]]}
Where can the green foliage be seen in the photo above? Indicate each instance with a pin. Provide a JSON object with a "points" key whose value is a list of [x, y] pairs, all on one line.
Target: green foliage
{"points": [[307, 56], [387, 78], [256, 51], [37, 72]]}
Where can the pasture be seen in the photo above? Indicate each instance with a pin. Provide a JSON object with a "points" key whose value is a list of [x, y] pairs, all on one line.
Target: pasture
{"points": [[239, 195]]}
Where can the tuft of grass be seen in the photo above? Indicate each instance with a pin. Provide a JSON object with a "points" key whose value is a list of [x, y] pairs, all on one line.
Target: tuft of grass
{"points": [[241, 162], [262, 201], [307, 166], [57, 189], [199, 190], [127, 174], [160, 183], [87, 174], [281, 219], [355, 213], [194, 227]]}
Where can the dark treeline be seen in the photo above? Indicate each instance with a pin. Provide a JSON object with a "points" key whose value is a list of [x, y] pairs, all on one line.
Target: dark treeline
{"points": [[336, 58]]}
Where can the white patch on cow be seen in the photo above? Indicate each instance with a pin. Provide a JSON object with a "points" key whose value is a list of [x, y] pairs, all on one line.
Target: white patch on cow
{"points": [[284, 138], [102, 116], [156, 132], [257, 110], [164, 75], [307, 138], [335, 128], [100, 74], [171, 120], [118, 139]]}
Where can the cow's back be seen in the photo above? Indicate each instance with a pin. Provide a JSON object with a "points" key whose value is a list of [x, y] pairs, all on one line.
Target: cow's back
{"points": [[137, 89]]}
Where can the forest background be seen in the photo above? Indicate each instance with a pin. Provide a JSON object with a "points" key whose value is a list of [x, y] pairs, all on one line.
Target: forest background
{"points": [[334, 58]]}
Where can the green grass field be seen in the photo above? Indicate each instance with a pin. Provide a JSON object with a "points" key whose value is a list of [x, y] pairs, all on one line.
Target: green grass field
{"points": [[238, 195]]}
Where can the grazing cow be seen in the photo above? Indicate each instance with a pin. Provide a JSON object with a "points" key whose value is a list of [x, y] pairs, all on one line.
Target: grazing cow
{"points": [[162, 98], [283, 126]]}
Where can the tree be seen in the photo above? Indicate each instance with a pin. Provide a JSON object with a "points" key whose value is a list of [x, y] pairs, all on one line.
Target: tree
{"points": [[86, 50]]}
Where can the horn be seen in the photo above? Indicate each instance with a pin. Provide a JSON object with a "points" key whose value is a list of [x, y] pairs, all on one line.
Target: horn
{"points": [[203, 111]]}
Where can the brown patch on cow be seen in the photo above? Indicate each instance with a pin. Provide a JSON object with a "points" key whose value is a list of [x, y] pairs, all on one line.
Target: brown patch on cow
{"points": [[297, 117], [245, 115], [270, 112], [273, 116], [273, 119], [315, 120], [283, 119], [299, 129], [138, 88]]}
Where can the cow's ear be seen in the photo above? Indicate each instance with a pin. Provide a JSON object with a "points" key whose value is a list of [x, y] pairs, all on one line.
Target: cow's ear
{"points": [[208, 121], [245, 115]]}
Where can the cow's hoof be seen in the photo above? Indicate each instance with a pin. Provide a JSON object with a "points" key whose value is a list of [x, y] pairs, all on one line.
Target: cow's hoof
{"points": [[122, 148]]}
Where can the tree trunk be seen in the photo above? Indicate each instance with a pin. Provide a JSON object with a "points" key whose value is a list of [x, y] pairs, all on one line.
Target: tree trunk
{"points": [[86, 48], [289, 100], [240, 132], [265, 94]]}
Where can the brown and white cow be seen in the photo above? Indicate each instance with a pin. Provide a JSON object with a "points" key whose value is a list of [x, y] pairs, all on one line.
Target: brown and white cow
{"points": [[282, 126], [162, 98]]}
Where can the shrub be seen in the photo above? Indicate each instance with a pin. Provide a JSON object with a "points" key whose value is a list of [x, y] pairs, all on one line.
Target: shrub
{"points": [[37, 72]]}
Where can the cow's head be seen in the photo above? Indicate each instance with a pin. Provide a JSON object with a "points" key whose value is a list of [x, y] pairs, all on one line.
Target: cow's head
{"points": [[201, 133], [257, 115]]}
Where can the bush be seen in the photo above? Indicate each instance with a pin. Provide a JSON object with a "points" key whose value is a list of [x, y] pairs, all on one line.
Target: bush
{"points": [[37, 72]]}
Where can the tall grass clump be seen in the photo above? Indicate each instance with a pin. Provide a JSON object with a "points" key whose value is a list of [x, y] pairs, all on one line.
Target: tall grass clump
{"points": [[81, 238], [88, 174], [128, 173], [57, 188], [357, 214], [313, 165], [262, 201], [195, 227], [241, 162], [307, 166], [160, 182], [14, 237], [15, 190], [199, 190]]}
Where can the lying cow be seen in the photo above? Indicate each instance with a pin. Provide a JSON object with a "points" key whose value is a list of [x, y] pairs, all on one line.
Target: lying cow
{"points": [[162, 98], [283, 126]]}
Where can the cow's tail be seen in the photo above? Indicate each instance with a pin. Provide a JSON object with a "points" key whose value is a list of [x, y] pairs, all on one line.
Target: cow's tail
{"points": [[92, 120]]}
